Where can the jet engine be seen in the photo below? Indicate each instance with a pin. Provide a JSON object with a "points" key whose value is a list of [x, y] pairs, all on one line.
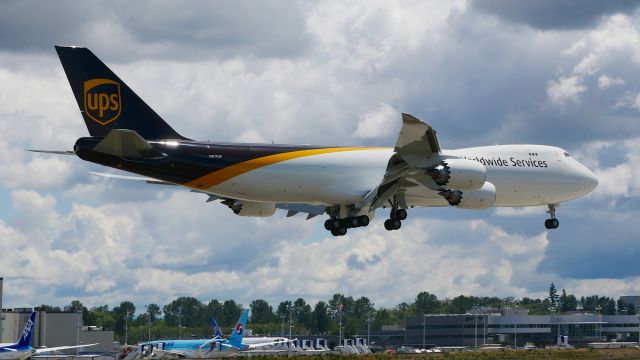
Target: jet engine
{"points": [[458, 174], [483, 198], [251, 208]]}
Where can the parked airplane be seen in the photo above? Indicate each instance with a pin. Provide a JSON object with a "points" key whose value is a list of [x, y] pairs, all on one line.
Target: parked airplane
{"points": [[347, 183], [23, 350], [201, 347]]}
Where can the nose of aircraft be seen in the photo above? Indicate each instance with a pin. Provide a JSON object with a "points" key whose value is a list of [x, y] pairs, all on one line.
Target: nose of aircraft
{"points": [[588, 180]]}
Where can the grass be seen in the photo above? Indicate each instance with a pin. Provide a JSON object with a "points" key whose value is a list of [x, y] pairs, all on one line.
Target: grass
{"points": [[580, 354]]}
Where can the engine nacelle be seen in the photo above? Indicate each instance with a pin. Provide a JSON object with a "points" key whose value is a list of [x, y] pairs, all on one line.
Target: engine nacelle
{"points": [[458, 174], [253, 208], [483, 198]]}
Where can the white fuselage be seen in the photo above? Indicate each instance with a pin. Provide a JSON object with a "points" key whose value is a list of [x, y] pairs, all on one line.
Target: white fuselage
{"points": [[523, 175]]}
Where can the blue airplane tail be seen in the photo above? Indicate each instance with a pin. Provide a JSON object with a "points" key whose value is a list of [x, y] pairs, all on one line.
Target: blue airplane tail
{"points": [[216, 328], [238, 331], [25, 337]]}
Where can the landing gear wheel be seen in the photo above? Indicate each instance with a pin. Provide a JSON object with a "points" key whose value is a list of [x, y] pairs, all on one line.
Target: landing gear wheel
{"points": [[552, 223], [354, 222], [401, 214], [335, 232], [327, 224], [396, 224], [388, 224], [363, 220], [342, 231]]}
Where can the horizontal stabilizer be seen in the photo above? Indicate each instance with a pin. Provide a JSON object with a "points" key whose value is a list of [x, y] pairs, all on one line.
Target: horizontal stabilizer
{"points": [[127, 144], [148, 180], [55, 152]]}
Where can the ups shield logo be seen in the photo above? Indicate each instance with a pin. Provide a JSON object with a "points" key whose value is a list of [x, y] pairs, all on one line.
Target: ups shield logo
{"points": [[102, 100]]}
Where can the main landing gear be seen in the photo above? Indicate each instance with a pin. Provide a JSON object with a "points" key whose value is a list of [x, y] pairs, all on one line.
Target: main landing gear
{"points": [[395, 219], [552, 223], [338, 227]]}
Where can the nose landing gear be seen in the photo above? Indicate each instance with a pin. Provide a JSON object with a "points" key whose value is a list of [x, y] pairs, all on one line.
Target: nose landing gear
{"points": [[552, 222]]}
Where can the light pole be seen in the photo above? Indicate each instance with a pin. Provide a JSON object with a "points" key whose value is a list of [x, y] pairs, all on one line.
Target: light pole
{"points": [[340, 325], [126, 327], [475, 331], [78, 312], [282, 330], [180, 322], [369, 327], [149, 320], [290, 321], [424, 331], [638, 316]]}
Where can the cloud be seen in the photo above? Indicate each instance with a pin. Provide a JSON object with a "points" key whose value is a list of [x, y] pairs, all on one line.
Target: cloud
{"points": [[564, 90], [124, 30], [605, 82], [377, 123], [324, 73], [555, 14]]}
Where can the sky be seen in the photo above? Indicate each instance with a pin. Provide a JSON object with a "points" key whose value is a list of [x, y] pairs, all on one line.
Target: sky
{"points": [[562, 73]]}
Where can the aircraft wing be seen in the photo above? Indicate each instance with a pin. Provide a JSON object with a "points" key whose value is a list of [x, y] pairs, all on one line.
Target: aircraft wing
{"points": [[58, 348], [165, 353], [292, 209], [259, 345], [416, 147], [417, 140]]}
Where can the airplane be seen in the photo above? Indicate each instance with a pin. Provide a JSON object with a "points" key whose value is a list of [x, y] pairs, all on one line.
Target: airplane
{"points": [[210, 347], [23, 350], [347, 183]]}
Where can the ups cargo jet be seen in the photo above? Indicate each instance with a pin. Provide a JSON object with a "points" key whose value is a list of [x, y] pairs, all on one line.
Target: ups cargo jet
{"points": [[347, 183]]}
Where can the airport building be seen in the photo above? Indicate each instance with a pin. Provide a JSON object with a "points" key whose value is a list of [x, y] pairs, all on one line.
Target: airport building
{"points": [[55, 329], [515, 328]]}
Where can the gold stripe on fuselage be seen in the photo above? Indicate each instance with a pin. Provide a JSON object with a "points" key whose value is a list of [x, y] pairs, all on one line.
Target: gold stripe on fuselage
{"points": [[222, 175]]}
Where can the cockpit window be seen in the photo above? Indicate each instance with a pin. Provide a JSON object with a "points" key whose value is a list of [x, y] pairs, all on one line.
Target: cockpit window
{"points": [[567, 154]]}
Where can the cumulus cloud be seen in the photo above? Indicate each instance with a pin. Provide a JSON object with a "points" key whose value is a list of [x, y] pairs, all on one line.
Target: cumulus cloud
{"points": [[555, 14], [377, 123], [564, 90], [605, 82], [325, 73]]}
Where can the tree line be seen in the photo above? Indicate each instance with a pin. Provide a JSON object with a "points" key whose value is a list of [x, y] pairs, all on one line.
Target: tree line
{"points": [[189, 317]]}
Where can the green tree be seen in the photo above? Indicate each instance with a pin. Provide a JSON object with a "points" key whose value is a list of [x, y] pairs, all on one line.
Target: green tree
{"points": [[261, 312], [49, 308], [126, 309], [625, 308], [553, 297], [230, 313], [103, 317], [302, 312], [191, 310], [154, 311], [214, 310], [321, 317], [568, 302], [382, 317], [426, 303], [283, 310]]}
